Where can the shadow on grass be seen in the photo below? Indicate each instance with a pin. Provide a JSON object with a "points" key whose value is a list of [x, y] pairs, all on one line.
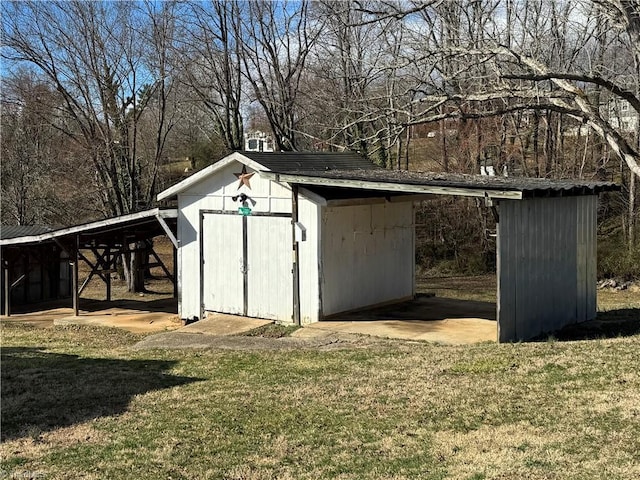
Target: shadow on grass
{"points": [[611, 324], [42, 391]]}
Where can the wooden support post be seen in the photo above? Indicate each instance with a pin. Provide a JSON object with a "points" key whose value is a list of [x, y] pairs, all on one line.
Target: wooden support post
{"points": [[7, 292], [76, 295], [107, 265], [296, 255], [175, 272]]}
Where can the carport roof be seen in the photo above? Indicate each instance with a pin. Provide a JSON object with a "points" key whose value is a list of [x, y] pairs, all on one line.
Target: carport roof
{"points": [[396, 181], [355, 174], [13, 231], [129, 228]]}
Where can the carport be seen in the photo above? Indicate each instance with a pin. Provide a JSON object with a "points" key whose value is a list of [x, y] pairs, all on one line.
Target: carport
{"points": [[299, 237], [546, 237], [105, 239]]}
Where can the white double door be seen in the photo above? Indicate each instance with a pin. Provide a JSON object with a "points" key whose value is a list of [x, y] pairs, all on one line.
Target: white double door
{"points": [[247, 265]]}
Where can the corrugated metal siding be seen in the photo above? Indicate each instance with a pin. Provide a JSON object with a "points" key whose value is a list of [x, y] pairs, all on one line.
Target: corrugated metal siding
{"points": [[367, 255], [14, 231], [546, 265], [587, 257]]}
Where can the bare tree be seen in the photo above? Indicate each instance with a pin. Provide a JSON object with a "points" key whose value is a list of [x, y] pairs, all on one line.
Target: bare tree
{"points": [[509, 69], [209, 55], [277, 38], [31, 153], [93, 55], [108, 62]]}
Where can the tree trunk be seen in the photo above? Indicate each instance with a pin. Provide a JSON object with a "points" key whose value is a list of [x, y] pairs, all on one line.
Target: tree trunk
{"points": [[133, 261], [632, 213]]}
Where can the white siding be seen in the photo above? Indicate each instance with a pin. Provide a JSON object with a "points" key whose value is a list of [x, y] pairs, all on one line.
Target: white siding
{"points": [[215, 193], [367, 255], [269, 268], [309, 255], [546, 265], [189, 251]]}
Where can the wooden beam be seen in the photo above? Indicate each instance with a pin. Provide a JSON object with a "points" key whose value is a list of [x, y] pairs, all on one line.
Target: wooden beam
{"points": [[175, 272], [76, 294], [109, 271], [167, 230], [390, 187], [160, 264], [17, 282], [7, 292]]}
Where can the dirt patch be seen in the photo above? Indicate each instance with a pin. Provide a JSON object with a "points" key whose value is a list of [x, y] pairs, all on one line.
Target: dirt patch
{"points": [[146, 315], [200, 341]]}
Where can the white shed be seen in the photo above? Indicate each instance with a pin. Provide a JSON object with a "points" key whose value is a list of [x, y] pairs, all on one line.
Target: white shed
{"points": [[236, 232], [297, 237]]}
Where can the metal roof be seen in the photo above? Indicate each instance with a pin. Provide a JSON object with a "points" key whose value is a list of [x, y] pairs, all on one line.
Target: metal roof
{"points": [[13, 231], [442, 183], [125, 228], [311, 161]]}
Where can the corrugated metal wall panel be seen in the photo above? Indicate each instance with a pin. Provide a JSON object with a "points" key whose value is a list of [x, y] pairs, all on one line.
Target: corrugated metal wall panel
{"points": [[587, 257], [507, 270], [546, 265]]}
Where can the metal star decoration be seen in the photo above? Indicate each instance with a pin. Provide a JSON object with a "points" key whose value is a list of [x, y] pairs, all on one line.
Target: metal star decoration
{"points": [[244, 177]]}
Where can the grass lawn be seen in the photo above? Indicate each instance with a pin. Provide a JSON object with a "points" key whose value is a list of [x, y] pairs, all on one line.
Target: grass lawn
{"points": [[77, 403]]}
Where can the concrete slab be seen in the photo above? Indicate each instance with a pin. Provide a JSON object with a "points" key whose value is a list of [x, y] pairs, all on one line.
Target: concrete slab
{"points": [[220, 324], [133, 315], [132, 321], [460, 331], [41, 319], [427, 318]]}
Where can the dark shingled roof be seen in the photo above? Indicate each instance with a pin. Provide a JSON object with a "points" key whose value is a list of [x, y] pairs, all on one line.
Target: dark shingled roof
{"points": [[530, 187], [14, 231], [289, 162]]}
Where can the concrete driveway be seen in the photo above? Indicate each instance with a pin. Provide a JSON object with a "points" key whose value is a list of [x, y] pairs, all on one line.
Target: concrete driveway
{"points": [[427, 318]]}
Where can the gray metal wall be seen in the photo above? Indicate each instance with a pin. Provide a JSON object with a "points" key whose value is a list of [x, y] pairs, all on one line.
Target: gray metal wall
{"points": [[546, 265]]}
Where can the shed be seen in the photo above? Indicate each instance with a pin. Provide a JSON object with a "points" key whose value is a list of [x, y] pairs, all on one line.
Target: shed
{"points": [[40, 264], [39, 273], [299, 237]]}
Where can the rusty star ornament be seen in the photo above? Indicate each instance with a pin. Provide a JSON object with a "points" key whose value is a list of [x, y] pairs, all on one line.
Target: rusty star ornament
{"points": [[244, 177]]}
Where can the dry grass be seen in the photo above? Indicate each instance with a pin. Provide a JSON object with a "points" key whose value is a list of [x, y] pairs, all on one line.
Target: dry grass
{"points": [[77, 403], [480, 288]]}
